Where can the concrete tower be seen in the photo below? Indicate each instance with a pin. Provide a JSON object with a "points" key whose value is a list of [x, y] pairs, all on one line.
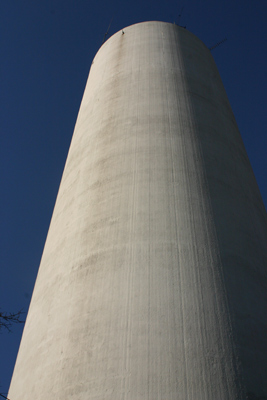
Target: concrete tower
{"points": [[152, 284]]}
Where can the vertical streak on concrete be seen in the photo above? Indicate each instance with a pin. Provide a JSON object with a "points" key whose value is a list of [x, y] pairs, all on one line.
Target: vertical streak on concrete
{"points": [[142, 289]]}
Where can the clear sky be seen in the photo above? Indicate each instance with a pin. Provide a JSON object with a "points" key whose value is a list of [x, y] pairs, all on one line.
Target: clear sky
{"points": [[47, 47]]}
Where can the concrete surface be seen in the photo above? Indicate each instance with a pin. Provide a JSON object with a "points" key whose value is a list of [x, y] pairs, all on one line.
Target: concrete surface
{"points": [[152, 283]]}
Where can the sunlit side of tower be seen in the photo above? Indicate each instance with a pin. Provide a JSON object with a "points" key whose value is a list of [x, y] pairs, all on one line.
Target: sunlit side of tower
{"points": [[152, 284]]}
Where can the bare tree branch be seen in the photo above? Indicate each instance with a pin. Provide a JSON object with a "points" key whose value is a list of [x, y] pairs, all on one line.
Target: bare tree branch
{"points": [[4, 396], [8, 319]]}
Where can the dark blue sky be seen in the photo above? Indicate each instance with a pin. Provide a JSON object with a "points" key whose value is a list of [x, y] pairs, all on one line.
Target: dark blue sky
{"points": [[46, 51]]}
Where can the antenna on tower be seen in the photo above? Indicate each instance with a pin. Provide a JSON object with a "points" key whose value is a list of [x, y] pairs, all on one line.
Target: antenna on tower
{"points": [[217, 44], [179, 16], [104, 38]]}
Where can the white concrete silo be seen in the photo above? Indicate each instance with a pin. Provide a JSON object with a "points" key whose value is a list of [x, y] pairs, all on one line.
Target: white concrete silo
{"points": [[152, 281]]}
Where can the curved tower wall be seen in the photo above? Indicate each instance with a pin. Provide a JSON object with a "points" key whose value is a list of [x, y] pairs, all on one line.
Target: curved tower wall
{"points": [[152, 281]]}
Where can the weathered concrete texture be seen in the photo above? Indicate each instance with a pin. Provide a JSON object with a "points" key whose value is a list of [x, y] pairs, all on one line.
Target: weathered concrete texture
{"points": [[152, 283]]}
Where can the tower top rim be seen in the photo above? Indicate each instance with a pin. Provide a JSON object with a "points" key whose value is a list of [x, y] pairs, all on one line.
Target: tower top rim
{"points": [[124, 30]]}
